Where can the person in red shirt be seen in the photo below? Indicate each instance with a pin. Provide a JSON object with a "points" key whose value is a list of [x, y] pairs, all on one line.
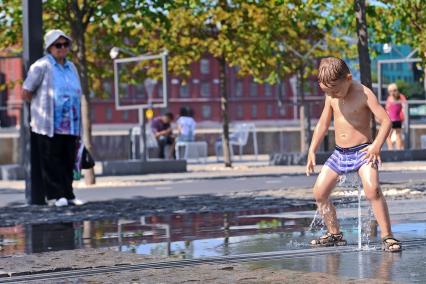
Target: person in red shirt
{"points": [[395, 109]]}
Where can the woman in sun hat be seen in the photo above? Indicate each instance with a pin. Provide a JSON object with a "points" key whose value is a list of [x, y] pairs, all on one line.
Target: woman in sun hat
{"points": [[53, 87]]}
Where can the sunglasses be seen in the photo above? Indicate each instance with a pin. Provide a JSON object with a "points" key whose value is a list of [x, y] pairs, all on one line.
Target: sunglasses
{"points": [[60, 45]]}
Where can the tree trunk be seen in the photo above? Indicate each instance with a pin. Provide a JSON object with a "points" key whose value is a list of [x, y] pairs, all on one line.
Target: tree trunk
{"points": [[224, 109], [305, 122], [363, 52], [78, 36]]}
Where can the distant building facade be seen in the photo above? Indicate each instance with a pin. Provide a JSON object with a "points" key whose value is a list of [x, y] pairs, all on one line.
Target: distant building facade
{"points": [[248, 100]]}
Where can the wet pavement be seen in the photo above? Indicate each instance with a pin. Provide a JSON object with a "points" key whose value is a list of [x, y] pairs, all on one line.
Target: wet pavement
{"points": [[192, 235], [196, 227], [406, 267]]}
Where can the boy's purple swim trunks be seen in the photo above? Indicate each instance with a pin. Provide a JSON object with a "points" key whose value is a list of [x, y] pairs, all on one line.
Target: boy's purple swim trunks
{"points": [[346, 160]]}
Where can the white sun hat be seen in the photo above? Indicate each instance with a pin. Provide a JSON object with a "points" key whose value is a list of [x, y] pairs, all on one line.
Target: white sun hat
{"points": [[52, 35]]}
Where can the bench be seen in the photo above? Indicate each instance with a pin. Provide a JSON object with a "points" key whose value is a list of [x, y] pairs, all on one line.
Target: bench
{"points": [[191, 150]]}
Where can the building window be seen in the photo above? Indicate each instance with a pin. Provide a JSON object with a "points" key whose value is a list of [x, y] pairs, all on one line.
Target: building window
{"points": [[206, 111], [126, 115], [268, 90], [239, 89], [140, 90], [124, 90], [269, 110], [254, 111], [204, 66], [184, 91], [253, 89], [108, 114], [240, 111], [205, 89], [282, 111], [107, 89]]}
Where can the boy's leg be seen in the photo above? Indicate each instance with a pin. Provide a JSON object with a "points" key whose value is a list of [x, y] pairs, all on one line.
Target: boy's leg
{"points": [[370, 181], [326, 181]]}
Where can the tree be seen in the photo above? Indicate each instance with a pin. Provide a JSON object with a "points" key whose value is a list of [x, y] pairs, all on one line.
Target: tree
{"points": [[363, 51], [362, 43], [404, 22], [308, 35], [95, 27], [260, 37], [231, 32]]}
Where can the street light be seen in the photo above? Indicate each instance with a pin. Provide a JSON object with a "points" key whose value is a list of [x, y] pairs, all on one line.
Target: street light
{"points": [[115, 51], [387, 48]]}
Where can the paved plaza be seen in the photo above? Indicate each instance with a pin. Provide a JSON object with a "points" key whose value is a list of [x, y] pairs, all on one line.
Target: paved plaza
{"points": [[254, 217]]}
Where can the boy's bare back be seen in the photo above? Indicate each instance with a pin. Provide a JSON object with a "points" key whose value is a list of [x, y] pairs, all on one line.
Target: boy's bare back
{"points": [[352, 117]]}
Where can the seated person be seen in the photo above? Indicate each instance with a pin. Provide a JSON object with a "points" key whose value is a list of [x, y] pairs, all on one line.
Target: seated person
{"points": [[185, 125], [163, 131]]}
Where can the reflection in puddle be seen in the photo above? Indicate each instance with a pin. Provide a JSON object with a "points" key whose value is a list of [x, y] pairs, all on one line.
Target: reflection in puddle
{"points": [[399, 267], [185, 235], [189, 235]]}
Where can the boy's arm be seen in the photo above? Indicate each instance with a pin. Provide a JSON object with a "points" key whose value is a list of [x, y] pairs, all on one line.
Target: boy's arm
{"points": [[381, 116], [319, 133]]}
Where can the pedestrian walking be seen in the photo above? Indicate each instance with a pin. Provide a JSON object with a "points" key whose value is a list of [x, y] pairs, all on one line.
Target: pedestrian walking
{"points": [[395, 109]]}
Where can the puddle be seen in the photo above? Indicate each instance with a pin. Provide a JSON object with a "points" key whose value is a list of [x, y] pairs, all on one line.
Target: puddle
{"points": [[193, 235], [405, 267]]}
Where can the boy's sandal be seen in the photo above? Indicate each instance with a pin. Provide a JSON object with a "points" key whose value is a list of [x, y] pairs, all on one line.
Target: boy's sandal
{"points": [[329, 240], [390, 244]]}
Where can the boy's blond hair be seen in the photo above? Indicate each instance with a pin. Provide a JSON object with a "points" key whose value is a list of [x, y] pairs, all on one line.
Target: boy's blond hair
{"points": [[332, 69]]}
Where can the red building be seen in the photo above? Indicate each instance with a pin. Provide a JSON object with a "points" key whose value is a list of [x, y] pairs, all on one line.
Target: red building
{"points": [[10, 97], [248, 100]]}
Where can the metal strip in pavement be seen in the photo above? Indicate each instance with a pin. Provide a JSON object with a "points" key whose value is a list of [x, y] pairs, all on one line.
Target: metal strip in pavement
{"points": [[250, 257]]}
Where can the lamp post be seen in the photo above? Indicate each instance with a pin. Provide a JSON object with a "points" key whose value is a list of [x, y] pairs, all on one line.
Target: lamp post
{"points": [[149, 86], [32, 50]]}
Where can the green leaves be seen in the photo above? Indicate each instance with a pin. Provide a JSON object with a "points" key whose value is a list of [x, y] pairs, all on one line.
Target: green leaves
{"points": [[248, 34]]}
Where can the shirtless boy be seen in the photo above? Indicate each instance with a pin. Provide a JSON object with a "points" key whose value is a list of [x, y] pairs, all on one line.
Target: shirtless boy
{"points": [[351, 104]]}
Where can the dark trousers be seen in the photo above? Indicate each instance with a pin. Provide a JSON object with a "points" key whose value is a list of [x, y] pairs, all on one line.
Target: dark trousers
{"points": [[57, 157], [162, 142]]}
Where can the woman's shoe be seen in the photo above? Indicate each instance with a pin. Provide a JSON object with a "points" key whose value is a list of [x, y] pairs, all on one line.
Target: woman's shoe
{"points": [[76, 202], [61, 202]]}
